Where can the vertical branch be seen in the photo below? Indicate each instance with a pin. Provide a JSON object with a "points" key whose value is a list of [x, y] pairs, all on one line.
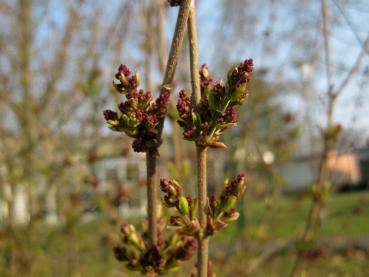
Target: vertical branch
{"points": [[179, 33], [203, 243], [147, 13], [161, 45], [151, 154], [192, 37], [152, 194], [161, 34], [327, 44]]}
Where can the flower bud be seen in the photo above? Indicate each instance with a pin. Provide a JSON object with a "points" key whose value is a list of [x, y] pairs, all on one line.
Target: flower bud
{"points": [[214, 204], [186, 251], [176, 221], [120, 253], [124, 81], [210, 227], [204, 72], [111, 117], [236, 187], [231, 215], [173, 191], [127, 229]]}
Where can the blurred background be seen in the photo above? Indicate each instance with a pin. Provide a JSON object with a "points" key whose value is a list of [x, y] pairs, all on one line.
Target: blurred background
{"points": [[67, 182]]}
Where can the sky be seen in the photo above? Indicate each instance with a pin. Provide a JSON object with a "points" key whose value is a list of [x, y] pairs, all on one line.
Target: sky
{"points": [[244, 40]]}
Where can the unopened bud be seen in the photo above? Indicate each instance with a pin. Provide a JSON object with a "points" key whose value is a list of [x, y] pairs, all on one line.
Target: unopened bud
{"points": [[231, 215], [176, 221]]}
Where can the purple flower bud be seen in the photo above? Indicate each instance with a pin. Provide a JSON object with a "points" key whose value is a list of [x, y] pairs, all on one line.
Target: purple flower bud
{"points": [[161, 103], [231, 215], [123, 69], [110, 115], [210, 227], [184, 106], [126, 229], [204, 72], [240, 75], [120, 253], [186, 251], [236, 187], [188, 134], [152, 121], [214, 204], [138, 145], [124, 81], [132, 95], [111, 118], [249, 65], [231, 115], [151, 258]]}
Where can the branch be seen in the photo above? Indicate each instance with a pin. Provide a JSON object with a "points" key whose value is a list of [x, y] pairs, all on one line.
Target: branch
{"points": [[203, 243], [327, 45], [151, 155], [161, 34], [354, 68]]}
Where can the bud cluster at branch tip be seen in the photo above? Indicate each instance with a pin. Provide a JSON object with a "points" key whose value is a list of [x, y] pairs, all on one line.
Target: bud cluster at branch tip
{"points": [[219, 211], [217, 110], [185, 221], [222, 210], [139, 116], [160, 259]]}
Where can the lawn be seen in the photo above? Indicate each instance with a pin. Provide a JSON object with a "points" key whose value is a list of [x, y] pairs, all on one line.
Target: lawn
{"points": [[84, 249]]}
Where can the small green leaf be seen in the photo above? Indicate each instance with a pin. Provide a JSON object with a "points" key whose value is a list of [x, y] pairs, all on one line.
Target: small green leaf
{"points": [[229, 203], [240, 90], [212, 102], [183, 206]]}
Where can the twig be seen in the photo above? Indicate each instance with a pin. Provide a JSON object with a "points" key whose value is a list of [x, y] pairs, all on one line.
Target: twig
{"points": [[354, 68], [151, 155], [161, 43], [316, 206], [327, 44], [203, 243]]}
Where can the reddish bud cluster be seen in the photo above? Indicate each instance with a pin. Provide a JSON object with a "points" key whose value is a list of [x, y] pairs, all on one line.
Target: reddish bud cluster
{"points": [[221, 210], [153, 260], [186, 207], [124, 81], [217, 110], [172, 190], [139, 115], [236, 187]]}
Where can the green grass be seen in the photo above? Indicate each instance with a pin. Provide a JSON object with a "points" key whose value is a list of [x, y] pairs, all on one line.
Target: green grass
{"points": [[344, 215], [85, 249]]}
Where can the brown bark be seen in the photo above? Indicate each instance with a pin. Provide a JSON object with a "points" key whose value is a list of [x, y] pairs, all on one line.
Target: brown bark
{"points": [[203, 243], [151, 154]]}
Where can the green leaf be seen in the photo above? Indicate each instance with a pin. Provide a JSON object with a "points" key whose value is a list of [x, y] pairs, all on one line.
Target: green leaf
{"points": [[212, 103], [183, 206], [229, 203], [238, 92]]}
